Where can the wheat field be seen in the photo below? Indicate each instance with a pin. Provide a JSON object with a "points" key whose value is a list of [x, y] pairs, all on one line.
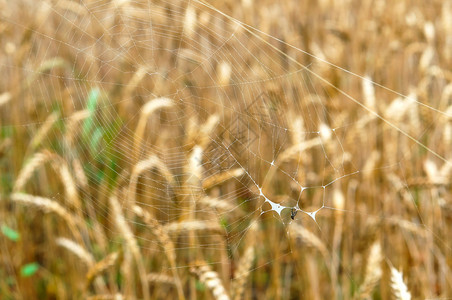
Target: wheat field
{"points": [[236, 149]]}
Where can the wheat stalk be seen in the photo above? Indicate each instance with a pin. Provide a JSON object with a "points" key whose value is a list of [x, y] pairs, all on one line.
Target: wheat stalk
{"points": [[80, 176], [144, 165], [373, 272], [297, 130], [309, 238], [369, 92], [106, 297], [84, 255], [190, 21], [146, 111], [4, 144], [410, 227], [70, 187], [222, 177], [195, 225], [71, 6], [5, 98], [135, 80], [131, 243], [215, 203], [161, 278], [101, 266], [398, 286], [77, 249], [194, 168], [59, 165], [43, 130], [224, 71], [71, 128], [27, 171], [166, 243], [206, 129], [211, 280], [245, 264], [48, 205], [290, 153], [160, 232]]}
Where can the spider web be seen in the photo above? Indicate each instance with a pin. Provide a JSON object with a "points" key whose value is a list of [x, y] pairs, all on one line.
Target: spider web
{"points": [[206, 122]]}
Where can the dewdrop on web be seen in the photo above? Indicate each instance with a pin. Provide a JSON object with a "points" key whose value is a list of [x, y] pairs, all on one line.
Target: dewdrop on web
{"points": [[325, 132]]}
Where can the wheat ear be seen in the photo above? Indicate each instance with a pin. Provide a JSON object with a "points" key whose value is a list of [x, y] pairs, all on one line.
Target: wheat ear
{"points": [[131, 243], [48, 205], [101, 266], [243, 272], [211, 280], [398, 286], [166, 243], [146, 111], [373, 272]]}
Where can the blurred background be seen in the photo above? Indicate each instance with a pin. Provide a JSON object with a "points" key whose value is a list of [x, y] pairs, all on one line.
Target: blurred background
{"points": [[225, 149]]}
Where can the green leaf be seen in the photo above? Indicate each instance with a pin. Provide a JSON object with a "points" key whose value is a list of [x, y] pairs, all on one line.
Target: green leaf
{"points": [[93, 97], [10, 233], [96, 138], [29, 269]]}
